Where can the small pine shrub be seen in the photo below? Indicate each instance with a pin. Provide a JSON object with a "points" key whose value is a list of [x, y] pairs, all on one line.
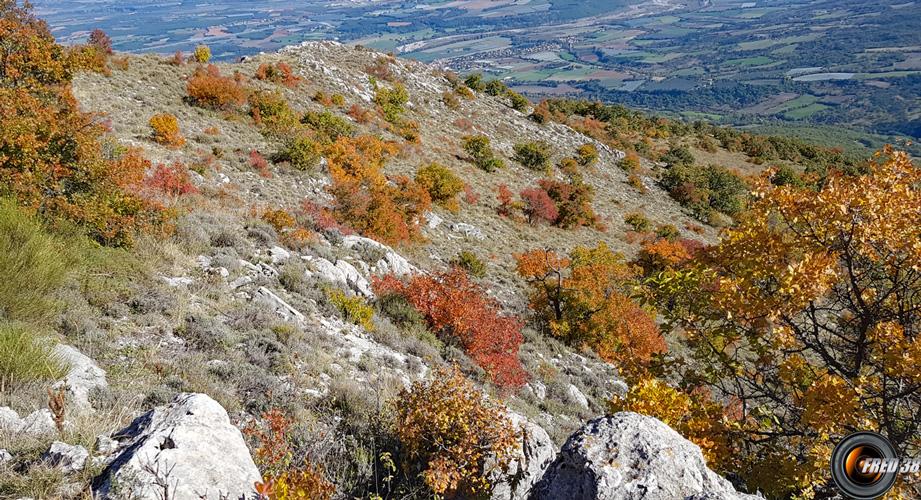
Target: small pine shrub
{"points": [[495, 88], [302, 153], [25, 358], [475, 82], [518, 102], [668, 232], [638, 222], [354, 309], [468, 261], [465, 92], [478, 147], [328, 126], [337, 99], [202, 54], [450, 100], [392, 102], [166, 130], [208, 89], [534, 155], [442, 185]]}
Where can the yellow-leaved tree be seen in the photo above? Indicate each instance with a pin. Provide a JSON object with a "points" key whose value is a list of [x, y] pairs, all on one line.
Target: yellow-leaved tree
{"points": [[805, 321]]}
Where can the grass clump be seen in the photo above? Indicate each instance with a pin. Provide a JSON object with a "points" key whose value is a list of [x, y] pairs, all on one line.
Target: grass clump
{"points": [[468, 261], [25, 358]]}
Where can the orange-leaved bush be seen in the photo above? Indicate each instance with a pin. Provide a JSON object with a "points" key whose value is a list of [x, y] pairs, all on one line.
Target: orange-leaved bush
{"points": [[389, 210], [274, 454], [51, 160], [454, 434], [456, 307], [585, 300], [165, 128], [209, 89], [280, 73]]}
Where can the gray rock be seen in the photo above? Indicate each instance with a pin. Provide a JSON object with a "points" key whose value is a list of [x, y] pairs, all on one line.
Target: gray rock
{"points": [[83, 377], [468, 230], [391, 263], [9, 420], [534, 452], [68, 458], [191, 445], [39, 423], [433, 220], [354, 279], [106, 445], [5, 457], [278, 254], [278, 304], [577, 396], [176, 282], [328, 271], [630, 456]]}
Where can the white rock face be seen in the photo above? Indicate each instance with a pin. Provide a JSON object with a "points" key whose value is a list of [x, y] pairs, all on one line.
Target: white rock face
{"points": [[533, 454], [278, 305], [629, 456], [5, 457], [577, 396], [193, 443], [39, 423], [468, 230], [354, 279], [84, 375], [66, 457]]}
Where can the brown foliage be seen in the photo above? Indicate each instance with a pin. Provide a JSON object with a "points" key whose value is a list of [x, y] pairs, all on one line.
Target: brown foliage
{"points": [[209, 89]]}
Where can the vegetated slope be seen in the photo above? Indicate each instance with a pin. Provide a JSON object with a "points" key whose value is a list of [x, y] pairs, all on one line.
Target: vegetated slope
{"points": [[150, 85]]}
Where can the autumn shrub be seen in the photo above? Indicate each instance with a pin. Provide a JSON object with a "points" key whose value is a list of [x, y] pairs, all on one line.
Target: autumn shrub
{"points": [[165, 128], [178, 58], [465, 92], [381, 69], [88, 58], [365, 199], [638, 222], [209, 89], [24, 357], [507, 205], [171, 180], [469, 262], [668, 232], [450, 100], [353, 309], [279, 219], [441, 183], [457, 437], [282, 477], [33, 263], [587, 154], [327, 126], [301, 152], [573, 202], [202, 54], [481, 154], [585, 300], [259, 163], [280, 73], [100, 40], [661, 254], [534, 155], [471, 197], [392, 102], [53, 161], [538, 206], [457, 308], [630, 162]]}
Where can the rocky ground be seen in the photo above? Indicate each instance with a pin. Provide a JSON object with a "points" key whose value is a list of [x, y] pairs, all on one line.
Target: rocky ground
{"points": [[189, 338]]}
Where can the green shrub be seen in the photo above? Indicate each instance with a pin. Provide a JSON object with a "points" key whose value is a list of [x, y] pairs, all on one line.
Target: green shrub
{"points": [[33, 265], [400, 311], [519, 102], [678, 156], [392, 102], [354, 309], [471, 263], [534, 155], [475, 82], [328, 126], [495, 88], [668, 232], [638, 222], [478, 147], [25, 358], [272, 110], [441, 183], [705, 189], [301, 152]]}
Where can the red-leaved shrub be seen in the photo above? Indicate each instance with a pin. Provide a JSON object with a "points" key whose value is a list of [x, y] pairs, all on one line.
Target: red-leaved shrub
{"points": [[456, 307], [172, 180], [538, 206]]}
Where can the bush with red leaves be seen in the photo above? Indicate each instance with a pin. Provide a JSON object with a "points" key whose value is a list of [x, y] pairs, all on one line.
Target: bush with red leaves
{"points": [[538, 206], [171, 180], [456, 307]]}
